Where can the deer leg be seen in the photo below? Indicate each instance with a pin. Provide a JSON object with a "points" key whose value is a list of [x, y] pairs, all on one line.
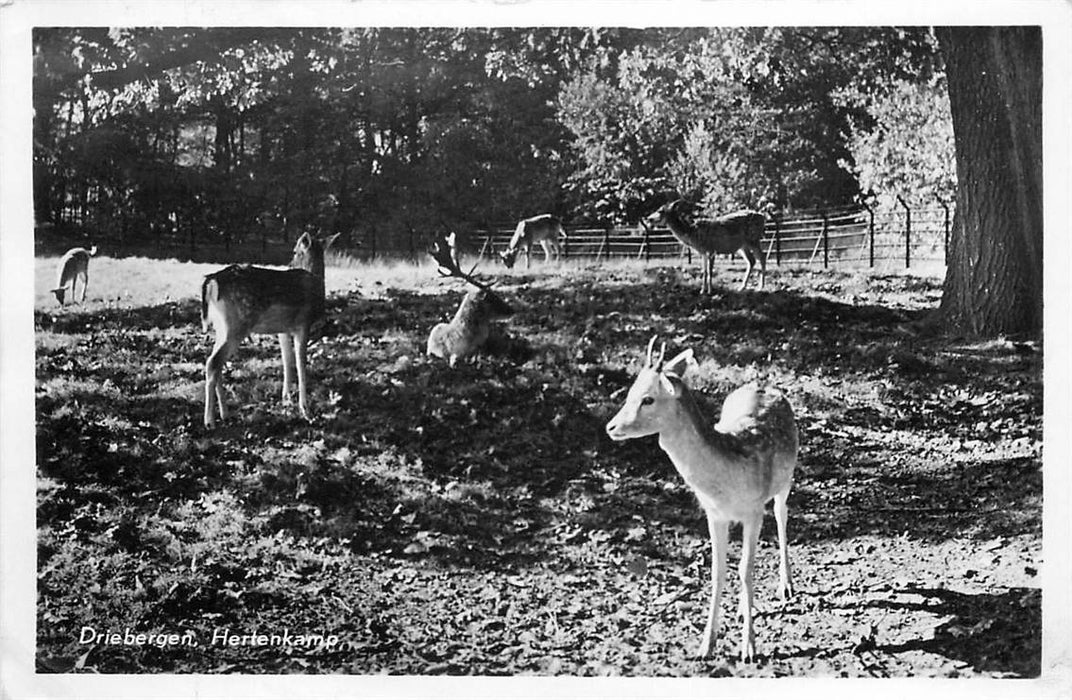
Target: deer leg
{"points": [[748, 262], [213, 389], [781, 516], [287, 351], [301, 344], [528, 256], [749, 539], [762, 267], [546, 251], [720, 531], [85, 285]]}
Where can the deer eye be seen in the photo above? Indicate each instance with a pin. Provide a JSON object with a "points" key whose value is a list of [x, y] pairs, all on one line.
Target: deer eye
{"points": [[647, 401]]}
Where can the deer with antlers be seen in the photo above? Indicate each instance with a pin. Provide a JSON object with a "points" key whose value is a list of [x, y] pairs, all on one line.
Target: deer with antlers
{"points": [[243, 299], [73, 266], [747, 459], [471, 325], [545, 229], [738, 232]]}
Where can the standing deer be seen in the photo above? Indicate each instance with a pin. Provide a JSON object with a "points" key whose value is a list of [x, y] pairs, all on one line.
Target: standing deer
{"points": [[243, 299], [734, 468], [471, 325], [74, 265], [738, 232], [544, 229]]}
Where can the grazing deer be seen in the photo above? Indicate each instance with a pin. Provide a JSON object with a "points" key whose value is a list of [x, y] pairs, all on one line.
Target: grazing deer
{"points": [[243, 299], [734, 468], [471, 325], [544, 229], [738, 232], [74, 265]]}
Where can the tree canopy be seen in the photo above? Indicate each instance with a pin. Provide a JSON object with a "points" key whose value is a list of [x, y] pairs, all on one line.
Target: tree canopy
{"points": [[230, 132]]}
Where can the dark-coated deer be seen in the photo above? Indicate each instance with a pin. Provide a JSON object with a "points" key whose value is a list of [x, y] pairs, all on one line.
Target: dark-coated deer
{"points": [[738, 232], [243, 299]]}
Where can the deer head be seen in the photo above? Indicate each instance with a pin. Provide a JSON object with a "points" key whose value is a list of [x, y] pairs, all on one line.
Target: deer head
{"points": [[648, 405]]}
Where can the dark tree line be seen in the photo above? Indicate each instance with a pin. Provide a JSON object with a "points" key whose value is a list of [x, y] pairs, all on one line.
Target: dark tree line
{"points": [[225, 130], [226, 135]]}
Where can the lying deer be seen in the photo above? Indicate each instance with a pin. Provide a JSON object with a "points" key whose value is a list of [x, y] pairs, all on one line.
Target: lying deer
{"points": [[74, 265], [242, 299], [544, 229], [471, 325], [738, 232], [734, 468]]}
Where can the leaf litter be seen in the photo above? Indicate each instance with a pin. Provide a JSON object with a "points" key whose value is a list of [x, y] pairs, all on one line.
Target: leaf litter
{"points": [[478, 522]]}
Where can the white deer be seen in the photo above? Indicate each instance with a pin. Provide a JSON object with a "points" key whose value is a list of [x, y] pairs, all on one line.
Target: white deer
{"points": [[545, 229], [74, 265], [471, 325], [737, 232], [243, 299], [734, 468]]}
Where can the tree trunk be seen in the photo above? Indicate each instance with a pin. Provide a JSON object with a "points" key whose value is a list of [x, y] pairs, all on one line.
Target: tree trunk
{"points": [[993, 284]]}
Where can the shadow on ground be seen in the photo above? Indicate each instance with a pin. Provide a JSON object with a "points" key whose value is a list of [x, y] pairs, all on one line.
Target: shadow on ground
{"points": [[992, 633]]}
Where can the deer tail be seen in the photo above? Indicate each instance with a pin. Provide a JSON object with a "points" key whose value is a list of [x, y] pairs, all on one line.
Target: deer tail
{"points": [[205, 291]]}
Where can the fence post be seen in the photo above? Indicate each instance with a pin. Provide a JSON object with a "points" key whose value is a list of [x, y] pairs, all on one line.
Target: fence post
{"points": [[945, 238], [778, 238], [826, 240], [870, 235], [646, 245], [907, 232]]}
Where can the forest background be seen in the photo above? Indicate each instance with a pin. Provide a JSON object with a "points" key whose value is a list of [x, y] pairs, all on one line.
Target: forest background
{"points": [[226, 135]]}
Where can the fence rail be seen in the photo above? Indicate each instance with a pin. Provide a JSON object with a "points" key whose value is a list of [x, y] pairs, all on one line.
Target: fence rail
{"points": [[914, 235], [906, 237]]}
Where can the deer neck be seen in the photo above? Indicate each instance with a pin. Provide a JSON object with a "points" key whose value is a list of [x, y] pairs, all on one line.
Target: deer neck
{"points": [[313, 265], [682, 231], [692, 444]]}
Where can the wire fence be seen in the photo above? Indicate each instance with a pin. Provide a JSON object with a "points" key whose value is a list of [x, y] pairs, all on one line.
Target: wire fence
{"points": [[900, 237], [822, 237]]}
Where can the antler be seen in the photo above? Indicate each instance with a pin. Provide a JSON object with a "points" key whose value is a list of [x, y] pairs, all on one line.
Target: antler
{"points": [[662, 353], [444, 252]]}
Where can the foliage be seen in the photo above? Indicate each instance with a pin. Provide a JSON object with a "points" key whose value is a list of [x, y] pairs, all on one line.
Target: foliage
{"points": [[731, 117], [233, 134], [478, 521], [909, 150]]}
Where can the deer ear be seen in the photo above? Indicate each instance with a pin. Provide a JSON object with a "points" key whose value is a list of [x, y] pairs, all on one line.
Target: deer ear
{"points": [[676, 367], [331, 239], [303, 241], [667, 382]]}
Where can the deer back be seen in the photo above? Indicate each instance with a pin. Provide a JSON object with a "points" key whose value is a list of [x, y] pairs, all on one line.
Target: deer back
{"points": [[258, 300]]}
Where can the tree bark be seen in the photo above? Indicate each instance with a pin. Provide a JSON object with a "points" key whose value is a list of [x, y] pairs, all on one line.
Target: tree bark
{"points": [[993, 285]]}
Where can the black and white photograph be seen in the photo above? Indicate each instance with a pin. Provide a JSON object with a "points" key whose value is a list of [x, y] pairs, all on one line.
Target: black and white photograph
{"points": [[455, 347]]}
